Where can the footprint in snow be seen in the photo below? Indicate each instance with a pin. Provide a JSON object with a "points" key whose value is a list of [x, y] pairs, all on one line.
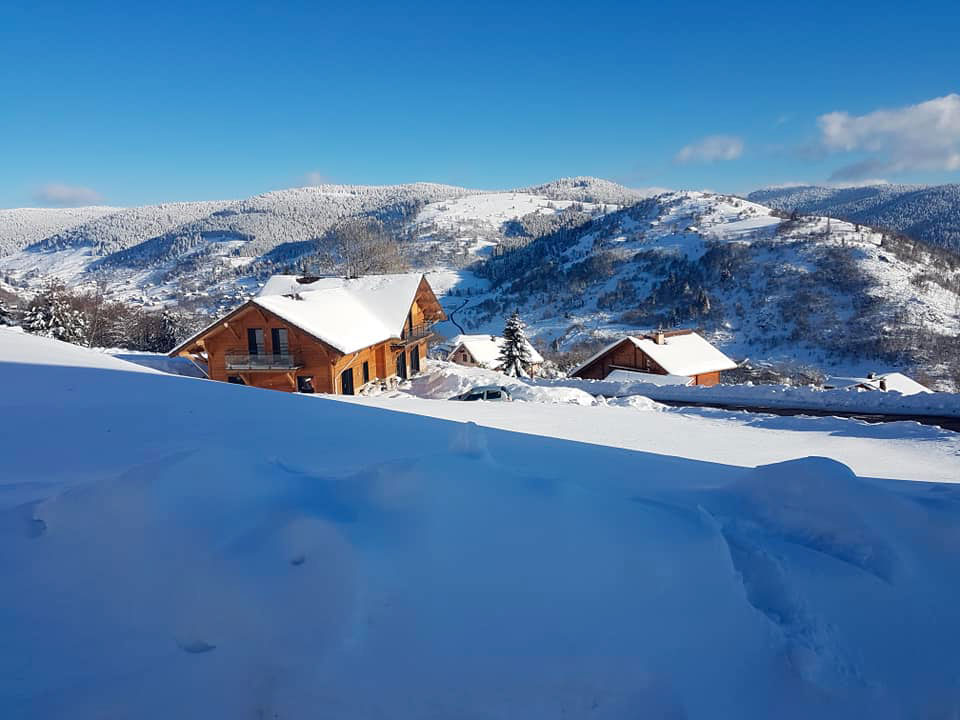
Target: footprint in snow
{"points": [[196, 647]]}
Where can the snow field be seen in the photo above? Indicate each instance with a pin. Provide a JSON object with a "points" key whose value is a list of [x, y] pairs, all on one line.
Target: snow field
{"points": [[188, 548]]}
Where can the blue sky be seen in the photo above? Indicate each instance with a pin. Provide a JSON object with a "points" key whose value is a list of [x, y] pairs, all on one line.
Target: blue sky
{"points": [[171, 101]]}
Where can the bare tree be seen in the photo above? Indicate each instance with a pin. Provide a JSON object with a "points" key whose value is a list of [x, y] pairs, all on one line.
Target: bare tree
{"points": [[363, 246]]}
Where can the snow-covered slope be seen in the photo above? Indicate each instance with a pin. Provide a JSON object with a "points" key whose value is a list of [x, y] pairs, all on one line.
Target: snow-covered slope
{"points": [[929, 213], [582, 258], [815, 291], [214, 253], [21, 227], [591, 190], [204, 550]]}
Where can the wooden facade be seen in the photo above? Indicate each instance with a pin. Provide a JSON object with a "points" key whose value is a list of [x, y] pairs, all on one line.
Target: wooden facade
{"points": [[254, 346]]}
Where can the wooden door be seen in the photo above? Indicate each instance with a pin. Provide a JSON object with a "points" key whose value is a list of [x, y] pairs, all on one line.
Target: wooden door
{"points": [[346, 381]]}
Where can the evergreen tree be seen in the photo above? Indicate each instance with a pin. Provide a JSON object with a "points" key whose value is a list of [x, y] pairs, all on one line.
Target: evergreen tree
{"points": [[515, 354], [7, 316], [51, 314], [154, 331]]}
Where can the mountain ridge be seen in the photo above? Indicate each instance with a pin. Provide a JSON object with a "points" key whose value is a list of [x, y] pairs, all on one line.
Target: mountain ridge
{"points": [[930, 213], [582, 258]]}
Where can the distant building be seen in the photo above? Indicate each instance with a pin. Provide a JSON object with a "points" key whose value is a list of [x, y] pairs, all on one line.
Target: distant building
{"points": [[484, 351], [675, 357], [328, 335], [888, 382]]}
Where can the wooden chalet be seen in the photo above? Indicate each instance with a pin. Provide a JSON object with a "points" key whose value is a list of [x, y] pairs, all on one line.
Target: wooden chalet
{"points": [[674, 357], [326, 335], [484, 351]]}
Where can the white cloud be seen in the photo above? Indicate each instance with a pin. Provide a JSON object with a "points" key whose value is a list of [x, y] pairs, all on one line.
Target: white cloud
{"points": [[925, 136], [710, 149], [61, 195], [315, 177]]}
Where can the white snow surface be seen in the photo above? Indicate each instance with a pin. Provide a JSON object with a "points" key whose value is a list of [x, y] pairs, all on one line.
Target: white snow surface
{"points": [[778, 396], [633, 376], [20, 227], [349, 314], [176, 547], [895, 382], [688, 354]]}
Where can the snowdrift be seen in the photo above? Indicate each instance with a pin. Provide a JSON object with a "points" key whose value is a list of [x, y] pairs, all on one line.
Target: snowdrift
{"points": [[174, 547]]}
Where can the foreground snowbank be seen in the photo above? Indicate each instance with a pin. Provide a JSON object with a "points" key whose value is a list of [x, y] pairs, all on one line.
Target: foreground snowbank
{"points": [[203, 550]]}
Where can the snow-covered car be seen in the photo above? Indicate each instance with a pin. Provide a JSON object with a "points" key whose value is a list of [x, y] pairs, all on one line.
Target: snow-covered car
{"points": [[486, 392]]}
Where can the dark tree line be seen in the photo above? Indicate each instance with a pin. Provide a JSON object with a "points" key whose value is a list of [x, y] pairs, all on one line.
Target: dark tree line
{"points": [[89, 318]]}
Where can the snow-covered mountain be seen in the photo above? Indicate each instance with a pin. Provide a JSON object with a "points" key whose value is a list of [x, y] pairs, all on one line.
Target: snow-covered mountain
{"points": [[21, 227], [813, 291], [161, 253], [583, 259], [929, 213]]}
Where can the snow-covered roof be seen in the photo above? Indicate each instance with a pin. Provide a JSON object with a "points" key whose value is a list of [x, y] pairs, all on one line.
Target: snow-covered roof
{"points": [[635, 376], [685, 354], [485, 349], [348, 314], [682, 353], [895, 382]]}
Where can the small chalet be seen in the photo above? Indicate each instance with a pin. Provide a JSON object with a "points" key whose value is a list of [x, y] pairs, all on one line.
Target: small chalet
{"points": [[675, 357], [327, 335], [888, 382], [484, 351]]}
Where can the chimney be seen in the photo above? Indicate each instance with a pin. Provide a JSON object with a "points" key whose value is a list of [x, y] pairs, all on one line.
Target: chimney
{"points": [[871, 375], [660, 338], [883, 384]]}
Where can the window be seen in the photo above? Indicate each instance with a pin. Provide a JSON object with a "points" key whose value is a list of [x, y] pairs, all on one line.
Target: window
{"points": [[235, 379], [493, 394], [415, 359], [255, 344], [474, 396], [366, 372], [280, 340], [305, 384]]}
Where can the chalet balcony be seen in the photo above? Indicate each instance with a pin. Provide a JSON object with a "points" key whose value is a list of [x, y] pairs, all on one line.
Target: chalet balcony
{"points": [[413, 335], [237, 360]]}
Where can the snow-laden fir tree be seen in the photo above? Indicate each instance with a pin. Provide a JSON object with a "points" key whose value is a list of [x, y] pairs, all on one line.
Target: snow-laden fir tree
{"points": [[514, 354], [51, 314]]}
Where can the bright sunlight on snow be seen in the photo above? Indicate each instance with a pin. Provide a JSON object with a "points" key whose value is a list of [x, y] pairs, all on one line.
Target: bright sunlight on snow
{"points": [[172, 547]]}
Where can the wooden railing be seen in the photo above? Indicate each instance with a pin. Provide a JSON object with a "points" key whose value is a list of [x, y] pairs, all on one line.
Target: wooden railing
{"points": [[241, 360], [414, 334]]}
